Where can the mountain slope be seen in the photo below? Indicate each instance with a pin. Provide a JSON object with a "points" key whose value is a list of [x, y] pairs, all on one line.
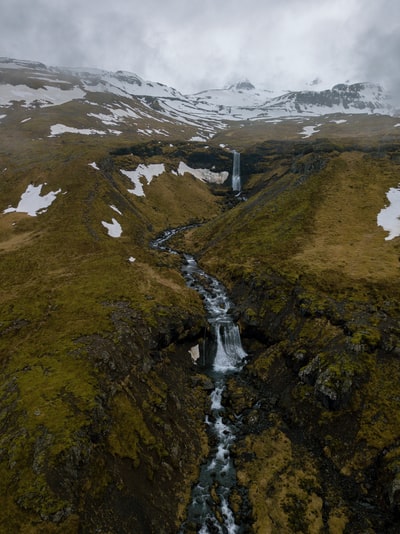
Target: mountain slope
{"points": [[316, 280], [114, 103], [89, 321], [101, 408]]}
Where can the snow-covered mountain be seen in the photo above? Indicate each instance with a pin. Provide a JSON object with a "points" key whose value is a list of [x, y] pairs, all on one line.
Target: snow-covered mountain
{"points": [[342, 98], [239, 96], [110, 102]]}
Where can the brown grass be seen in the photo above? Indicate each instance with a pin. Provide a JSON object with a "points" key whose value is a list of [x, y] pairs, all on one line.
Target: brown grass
{"points": [[345, 235]]}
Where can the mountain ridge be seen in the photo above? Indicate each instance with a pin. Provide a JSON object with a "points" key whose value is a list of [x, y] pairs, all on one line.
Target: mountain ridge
{"points": [[237, 101]]}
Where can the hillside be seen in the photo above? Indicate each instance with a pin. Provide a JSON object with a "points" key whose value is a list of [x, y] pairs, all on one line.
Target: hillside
{"points": [[102, 408], [316, 281]]}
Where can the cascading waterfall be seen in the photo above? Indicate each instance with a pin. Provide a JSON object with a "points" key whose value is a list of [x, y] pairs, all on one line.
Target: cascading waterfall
{"points": [[236, 182], [209, 511], [228, 352]]}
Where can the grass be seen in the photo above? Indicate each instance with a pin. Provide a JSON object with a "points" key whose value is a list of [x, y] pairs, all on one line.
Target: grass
{"points": [[346, 235], [130, 436]]}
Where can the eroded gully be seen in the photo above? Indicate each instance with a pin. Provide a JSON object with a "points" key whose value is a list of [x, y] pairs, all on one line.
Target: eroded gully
{"points": [[210, 510]]}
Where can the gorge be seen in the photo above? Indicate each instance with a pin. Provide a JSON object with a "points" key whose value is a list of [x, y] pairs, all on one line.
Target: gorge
{"points": [[210, 510], [124, 384]]}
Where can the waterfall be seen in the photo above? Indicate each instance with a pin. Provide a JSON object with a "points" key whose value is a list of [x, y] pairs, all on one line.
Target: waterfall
{"points": [[229, 353], [236, 184]]}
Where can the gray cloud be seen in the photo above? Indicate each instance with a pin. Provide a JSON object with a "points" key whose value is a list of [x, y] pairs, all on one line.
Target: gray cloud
{"points": [[194, 45], [378, 51]]}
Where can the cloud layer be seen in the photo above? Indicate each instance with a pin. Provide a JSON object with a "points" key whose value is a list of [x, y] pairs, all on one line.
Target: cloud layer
{"points": [[197, 45]]}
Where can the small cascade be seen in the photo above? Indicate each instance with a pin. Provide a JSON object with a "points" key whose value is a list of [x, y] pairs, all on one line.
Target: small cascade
{"points": [[229, 353], [236, 182], [226, 349]]}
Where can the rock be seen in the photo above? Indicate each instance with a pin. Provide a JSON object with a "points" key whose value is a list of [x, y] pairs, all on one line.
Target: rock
{"points": [[332, 390], [309, 373], [394, 492]]}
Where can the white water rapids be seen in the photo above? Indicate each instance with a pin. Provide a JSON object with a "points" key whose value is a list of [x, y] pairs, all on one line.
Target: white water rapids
{"points": [[210, 511], [229, 353]]}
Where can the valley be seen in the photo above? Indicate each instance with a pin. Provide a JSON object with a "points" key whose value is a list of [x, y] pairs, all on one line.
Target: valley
{"points": [[103, 409]]}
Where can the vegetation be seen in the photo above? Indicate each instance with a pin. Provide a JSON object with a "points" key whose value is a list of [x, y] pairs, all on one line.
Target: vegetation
{"points": [[102, 410], [90, 370], [317, 282]]}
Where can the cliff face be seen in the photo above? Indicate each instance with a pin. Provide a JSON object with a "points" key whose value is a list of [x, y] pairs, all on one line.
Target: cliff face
{"points": [[325, 383], [124, 463]]}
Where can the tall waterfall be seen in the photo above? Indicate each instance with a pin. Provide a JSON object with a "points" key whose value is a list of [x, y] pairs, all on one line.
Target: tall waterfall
{"points": [[236, 184]]}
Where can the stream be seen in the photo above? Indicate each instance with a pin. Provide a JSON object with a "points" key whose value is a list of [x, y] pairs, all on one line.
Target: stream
{"points": [[210, 510]]}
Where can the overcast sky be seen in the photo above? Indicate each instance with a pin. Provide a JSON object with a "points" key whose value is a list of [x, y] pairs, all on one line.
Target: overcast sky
{"points": [[197, 44]]}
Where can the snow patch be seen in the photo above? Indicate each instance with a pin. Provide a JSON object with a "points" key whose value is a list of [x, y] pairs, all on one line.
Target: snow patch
{"points": [[308, 131], [198, 139], [32, 203], [115, 209], [58, 129], [114, 229], [145, 132], [389, 217], [148, 131], [339, 121], [107, 120], [44, 96], [205, 175], [115, 116], [143, 171], [131, 259], [194, 353], [94, 165]]}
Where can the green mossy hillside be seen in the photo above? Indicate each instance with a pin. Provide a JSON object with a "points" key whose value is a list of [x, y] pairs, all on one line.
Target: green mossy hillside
{"points": [[102, 410], [95, 332], [314, 279]]}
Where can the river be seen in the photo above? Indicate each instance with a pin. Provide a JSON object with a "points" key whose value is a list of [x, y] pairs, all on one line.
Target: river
{"points": [[210, 510]]}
